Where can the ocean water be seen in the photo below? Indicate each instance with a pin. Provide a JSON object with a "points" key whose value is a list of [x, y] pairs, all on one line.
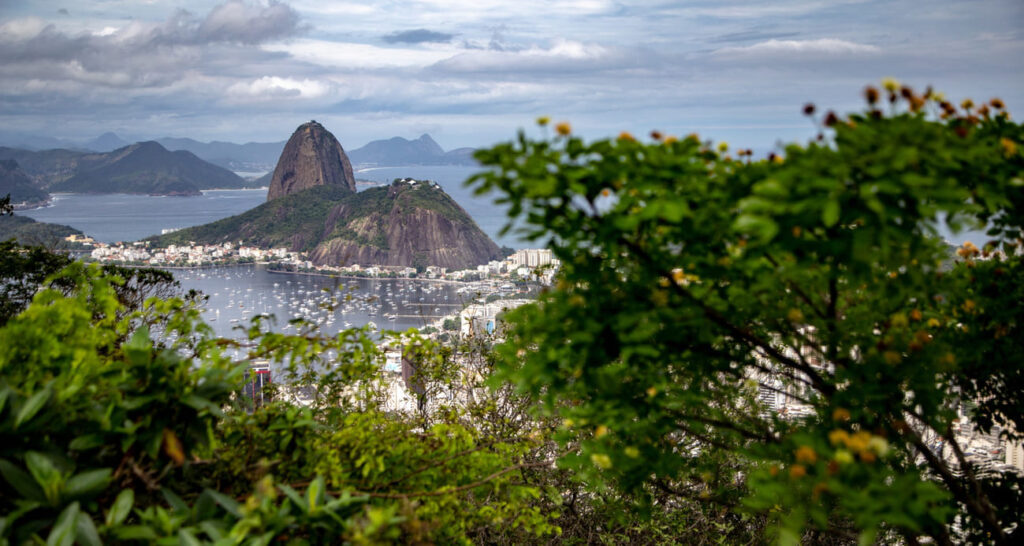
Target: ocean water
{"points": [[120, 217], [237, 293]]}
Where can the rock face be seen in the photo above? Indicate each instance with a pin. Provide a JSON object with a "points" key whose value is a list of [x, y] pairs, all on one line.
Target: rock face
{"points": [[312, 157], [414, 225]]}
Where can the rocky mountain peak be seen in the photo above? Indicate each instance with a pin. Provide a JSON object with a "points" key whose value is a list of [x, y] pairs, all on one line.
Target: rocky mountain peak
{"points": [[312, 157]]}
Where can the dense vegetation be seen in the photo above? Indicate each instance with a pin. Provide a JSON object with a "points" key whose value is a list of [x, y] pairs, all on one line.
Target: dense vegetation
{"points": [[27, 231], [293, 221], [623, 407], [695, 279], [303, 220]]}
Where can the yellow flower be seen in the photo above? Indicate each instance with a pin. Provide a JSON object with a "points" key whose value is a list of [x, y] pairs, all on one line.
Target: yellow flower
{"points": [[723, 146], [843, 457], [670, 139], [601, 460], [563, 128], [934, 323], [838, 436], [1009, 146], [915, 315], [969, 306], [967, 104], [892, 357], [898, 320], [806, 454], [878, 445], [890, 84], [600, 431], [631, 452], [841, 414], [626, 136], [797, 471], [859, 441], [543, 120], [678, 276], [651, 391], [795, 315], [568, 423]]}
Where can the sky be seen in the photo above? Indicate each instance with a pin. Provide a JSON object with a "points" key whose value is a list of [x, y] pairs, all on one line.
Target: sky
{"points": [[473, 72]]}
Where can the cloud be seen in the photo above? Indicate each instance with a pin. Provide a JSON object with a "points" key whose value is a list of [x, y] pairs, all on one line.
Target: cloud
{"points": [[142, 53], [273, 87], [821, 46], [562, 54], [417, 36]]}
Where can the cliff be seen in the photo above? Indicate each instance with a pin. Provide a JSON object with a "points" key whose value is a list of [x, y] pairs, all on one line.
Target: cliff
{"points": [[311, 157]]}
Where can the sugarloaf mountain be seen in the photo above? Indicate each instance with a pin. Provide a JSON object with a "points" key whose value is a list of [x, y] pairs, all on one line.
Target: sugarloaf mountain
{"points": [[313, 206]]}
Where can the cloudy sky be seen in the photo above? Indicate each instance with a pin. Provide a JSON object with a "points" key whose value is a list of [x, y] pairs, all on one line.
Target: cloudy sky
{"points": [[471, 72]]}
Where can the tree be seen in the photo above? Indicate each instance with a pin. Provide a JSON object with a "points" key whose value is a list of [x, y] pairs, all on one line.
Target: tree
{"points": [[697, 284], [123, 426]]}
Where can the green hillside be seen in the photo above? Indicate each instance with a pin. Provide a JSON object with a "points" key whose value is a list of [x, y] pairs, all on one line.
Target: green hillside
{"points": [[14, 182], [282, 222], [27, 231], [400, 224]]}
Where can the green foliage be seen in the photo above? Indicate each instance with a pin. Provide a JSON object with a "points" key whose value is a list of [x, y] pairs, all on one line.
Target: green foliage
{"points": [[123, 426], [693, 282], [27, 231]]}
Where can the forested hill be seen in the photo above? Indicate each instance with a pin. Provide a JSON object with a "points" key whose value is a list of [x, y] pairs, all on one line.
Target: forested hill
{"points": [[404, 224], [17, 184]]}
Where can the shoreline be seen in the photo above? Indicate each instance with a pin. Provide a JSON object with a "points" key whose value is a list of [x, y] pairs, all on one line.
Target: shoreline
{"points": [[338, 276], [278, 271]]}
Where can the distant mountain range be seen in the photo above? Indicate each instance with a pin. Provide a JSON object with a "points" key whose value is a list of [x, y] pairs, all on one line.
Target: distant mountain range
{"points": [[261, 156], [144, 167]]}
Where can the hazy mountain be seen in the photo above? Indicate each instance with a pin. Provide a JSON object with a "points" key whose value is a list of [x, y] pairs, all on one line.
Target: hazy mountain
{"points": [[248, 157], [147, 167], [107, 142], [398, 151], [15, 182]]}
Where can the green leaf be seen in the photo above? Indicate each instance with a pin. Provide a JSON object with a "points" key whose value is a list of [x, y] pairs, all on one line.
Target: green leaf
{"points": [[136, 532], [63, 532], [42, 469], [121, 507], [186, 538], [228, 503], [830, 213], [87, 441], [32, 406], [177, 505], [21, 481], [4, 394], [87, 483], [85, 531]]}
